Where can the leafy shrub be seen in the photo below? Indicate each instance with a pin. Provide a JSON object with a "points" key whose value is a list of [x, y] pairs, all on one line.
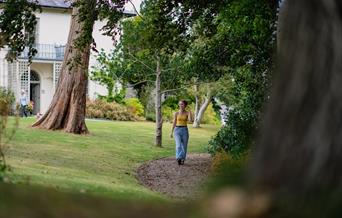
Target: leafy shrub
{"points": [[118, 97], [220, 159], [236, 136], [101, 109], [171, 102], [134, 105], [210, 116], [150, 117], [6, 101], [168, 113], [249, 67]]}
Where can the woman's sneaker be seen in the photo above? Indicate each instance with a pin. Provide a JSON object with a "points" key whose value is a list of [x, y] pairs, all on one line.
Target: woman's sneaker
{"points": [[182, 162], [179, 161]]}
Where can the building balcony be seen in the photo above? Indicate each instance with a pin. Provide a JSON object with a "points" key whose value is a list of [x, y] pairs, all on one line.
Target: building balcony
{"points": [[47, 52]]}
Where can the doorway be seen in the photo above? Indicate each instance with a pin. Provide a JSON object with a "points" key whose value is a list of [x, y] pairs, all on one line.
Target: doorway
{"points": [[35, 91]]}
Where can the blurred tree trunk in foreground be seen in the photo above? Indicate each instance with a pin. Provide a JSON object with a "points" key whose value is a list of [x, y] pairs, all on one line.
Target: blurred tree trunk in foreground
{"points": [[300, 149]]}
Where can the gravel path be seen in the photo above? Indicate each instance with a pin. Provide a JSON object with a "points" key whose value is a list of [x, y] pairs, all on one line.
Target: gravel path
{"points": [[165, 176]]}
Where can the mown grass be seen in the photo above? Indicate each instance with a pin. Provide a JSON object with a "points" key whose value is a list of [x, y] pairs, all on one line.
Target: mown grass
{"points": [[101, 163]]}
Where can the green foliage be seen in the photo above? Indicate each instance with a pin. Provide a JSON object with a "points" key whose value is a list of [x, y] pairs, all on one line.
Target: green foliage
{"points": [[6, 101], [134, 106], [210, 116], [150, 116], [236, 135], [87, 12], [18, 21], [140, 54], [168, 113], [243, 47], [110, 11], [100, 109], [6, 134], [17, 25], [172, 101], [161, 30], [117, 97], [108, 71]]}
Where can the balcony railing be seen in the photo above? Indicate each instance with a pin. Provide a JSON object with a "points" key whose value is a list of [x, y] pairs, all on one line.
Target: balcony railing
{"points": [[46, 52]]}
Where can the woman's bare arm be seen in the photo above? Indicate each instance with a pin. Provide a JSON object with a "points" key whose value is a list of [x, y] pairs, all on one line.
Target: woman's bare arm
{"points": [[173, 123], [190, 117]]}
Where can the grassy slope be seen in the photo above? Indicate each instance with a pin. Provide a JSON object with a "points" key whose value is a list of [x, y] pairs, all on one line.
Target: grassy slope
{"points": [[102, 163]]}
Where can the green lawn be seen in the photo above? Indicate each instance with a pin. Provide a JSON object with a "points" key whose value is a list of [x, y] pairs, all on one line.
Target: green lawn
{"points": [[101, 163]]}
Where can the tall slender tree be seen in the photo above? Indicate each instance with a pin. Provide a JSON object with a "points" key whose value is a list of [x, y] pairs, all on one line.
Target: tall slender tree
{"points": [[151, 45]]}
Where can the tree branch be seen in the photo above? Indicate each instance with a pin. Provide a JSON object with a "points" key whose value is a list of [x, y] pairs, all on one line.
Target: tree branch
{"points": [[183, 87], [135, 9], [141, 62], [141, 82]]}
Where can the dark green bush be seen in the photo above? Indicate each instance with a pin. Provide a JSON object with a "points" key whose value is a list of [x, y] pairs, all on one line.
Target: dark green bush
{"points": [[235, 137], [250, 43], [150, 117]]}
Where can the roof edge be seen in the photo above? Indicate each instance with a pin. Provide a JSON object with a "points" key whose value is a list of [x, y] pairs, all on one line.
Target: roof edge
{"points": [[126, 12]]}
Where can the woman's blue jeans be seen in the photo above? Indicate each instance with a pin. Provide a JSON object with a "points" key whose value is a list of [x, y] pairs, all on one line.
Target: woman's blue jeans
{"points": [[181, 135]]}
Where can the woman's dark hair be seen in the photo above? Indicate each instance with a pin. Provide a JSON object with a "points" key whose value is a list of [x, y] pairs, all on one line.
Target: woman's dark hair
{"points": [[184, 102]]}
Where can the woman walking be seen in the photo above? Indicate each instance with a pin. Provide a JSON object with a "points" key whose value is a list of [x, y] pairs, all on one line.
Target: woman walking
{"points": [[180, 130]]}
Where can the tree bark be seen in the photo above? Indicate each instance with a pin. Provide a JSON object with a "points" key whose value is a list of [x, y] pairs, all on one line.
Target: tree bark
{"points": [[201, 110], [159, 119], [197, 103], [199, 116], [300, 145], [67, 109]]}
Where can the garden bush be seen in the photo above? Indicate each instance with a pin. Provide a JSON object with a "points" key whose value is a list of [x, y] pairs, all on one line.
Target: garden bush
{"points": [[250, 45], [6, 101], [168, 113], [135, 106], [101, 109], [6, 134], [210, 116], [150, 117]]}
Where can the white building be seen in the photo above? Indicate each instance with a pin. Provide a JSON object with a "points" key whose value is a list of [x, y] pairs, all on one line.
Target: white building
{"points": [[40, 78]]}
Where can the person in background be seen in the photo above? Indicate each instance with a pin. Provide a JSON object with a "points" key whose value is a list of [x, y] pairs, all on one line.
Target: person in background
{"points": [[180, 130], [23, 104]]}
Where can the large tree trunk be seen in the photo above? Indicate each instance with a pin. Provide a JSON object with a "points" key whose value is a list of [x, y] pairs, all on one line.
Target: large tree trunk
{"points": [[67, 109], [159, 119], [300, 150]]}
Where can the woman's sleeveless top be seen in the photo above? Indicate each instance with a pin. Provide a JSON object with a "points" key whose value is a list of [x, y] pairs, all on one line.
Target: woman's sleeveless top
{"points": [[182, 119]]}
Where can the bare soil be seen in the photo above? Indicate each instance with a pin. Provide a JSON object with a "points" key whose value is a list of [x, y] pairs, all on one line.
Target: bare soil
{"points": [[182, 182]]}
